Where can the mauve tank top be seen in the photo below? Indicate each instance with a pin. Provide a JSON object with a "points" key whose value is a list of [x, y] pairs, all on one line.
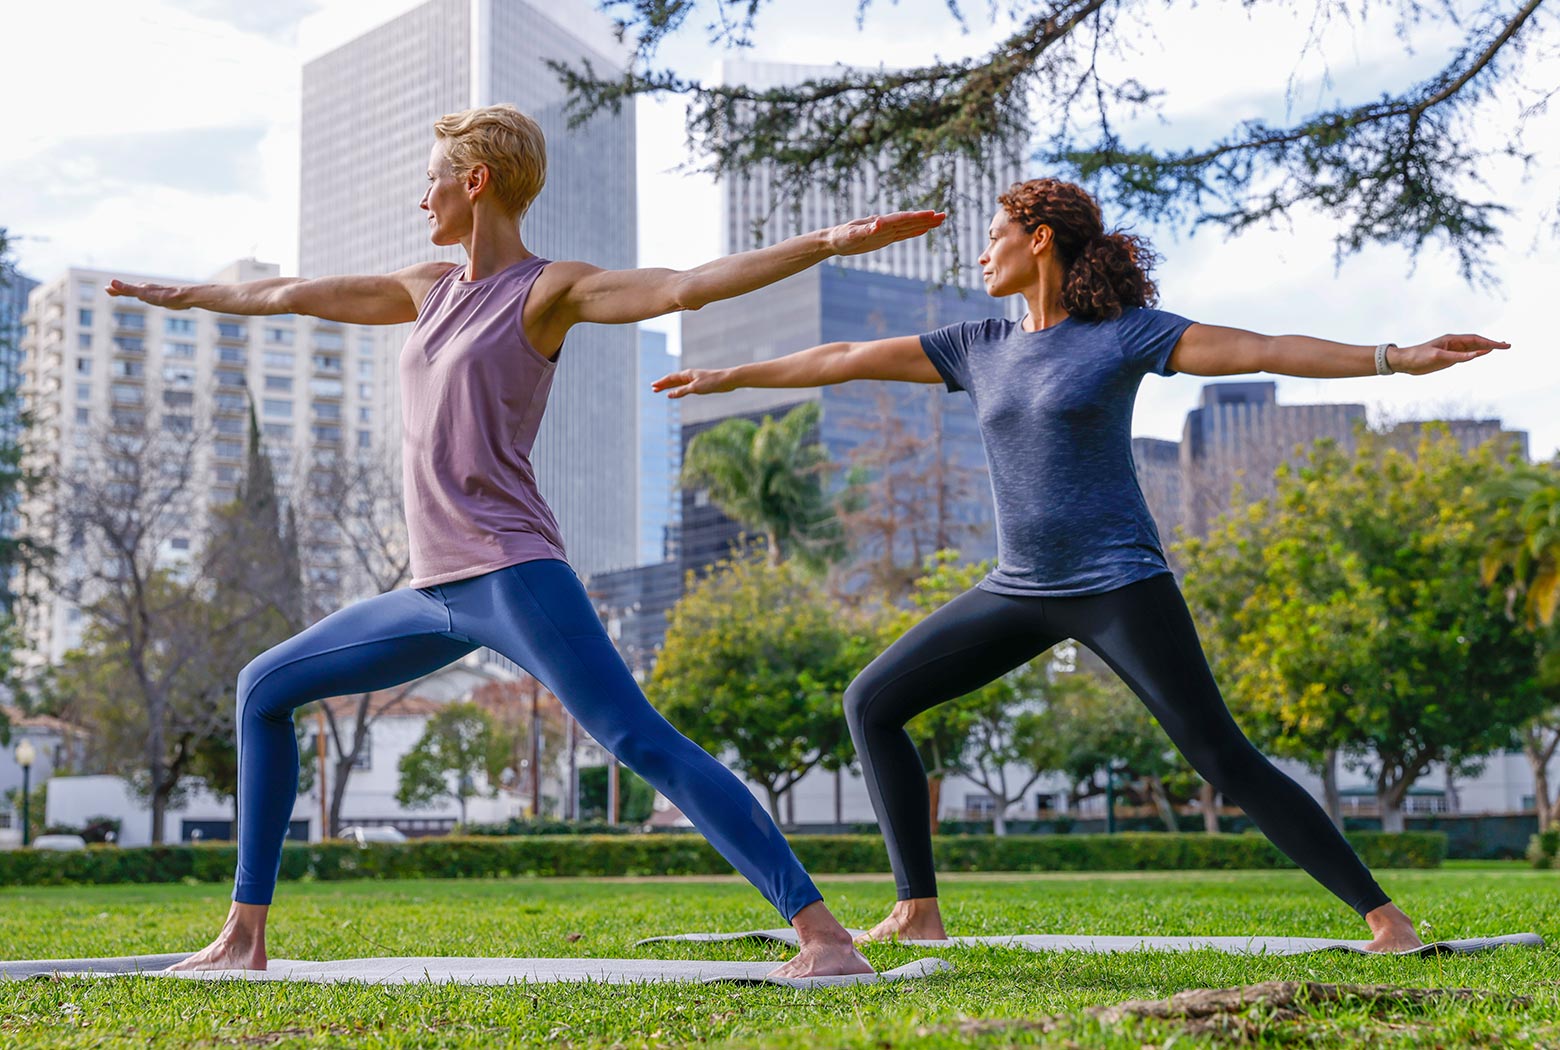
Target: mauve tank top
{"points": [[473, 390]]}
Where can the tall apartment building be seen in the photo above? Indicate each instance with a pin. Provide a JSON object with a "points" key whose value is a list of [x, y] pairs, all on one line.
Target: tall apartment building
{"points": [[756, 210], [658, 438], [14, 291], [367, 127], [95, 365]]}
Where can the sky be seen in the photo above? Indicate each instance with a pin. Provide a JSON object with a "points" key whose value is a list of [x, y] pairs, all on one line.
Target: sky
{"points": [[165, 141]]}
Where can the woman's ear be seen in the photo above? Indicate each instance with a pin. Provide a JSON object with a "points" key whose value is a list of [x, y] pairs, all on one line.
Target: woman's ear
{"points": [[477, 179], [1041, 239]]}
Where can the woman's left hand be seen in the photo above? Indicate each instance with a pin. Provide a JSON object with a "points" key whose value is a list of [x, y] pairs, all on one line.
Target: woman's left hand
{"points": [[1441, 353], [878, 231]]}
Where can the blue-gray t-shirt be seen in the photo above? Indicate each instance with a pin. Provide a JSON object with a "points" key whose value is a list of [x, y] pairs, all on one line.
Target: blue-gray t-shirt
{"points": [[1055, 413]]}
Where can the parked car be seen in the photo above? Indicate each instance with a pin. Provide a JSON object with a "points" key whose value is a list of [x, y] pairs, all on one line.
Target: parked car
{"points": [[63, 843], [367, 833]]}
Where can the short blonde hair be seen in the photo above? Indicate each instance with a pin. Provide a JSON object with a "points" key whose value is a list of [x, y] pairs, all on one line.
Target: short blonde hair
{"points": [[507, 141]]}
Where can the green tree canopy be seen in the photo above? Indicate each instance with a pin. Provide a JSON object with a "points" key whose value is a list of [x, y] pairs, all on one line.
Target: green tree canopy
{"points": [[1363, 623], [754, 667], [460, 754]]}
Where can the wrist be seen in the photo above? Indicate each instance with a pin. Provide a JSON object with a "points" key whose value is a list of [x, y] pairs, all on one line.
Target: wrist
{"points": [[728, 379], [825, 244]]}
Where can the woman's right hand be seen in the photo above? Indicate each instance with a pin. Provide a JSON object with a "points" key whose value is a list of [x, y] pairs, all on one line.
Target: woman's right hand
{"points": [[695, 381], [170, 297]]}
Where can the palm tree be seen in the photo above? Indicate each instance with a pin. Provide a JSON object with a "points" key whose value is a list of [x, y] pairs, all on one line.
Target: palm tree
{"points": [[768, 477], [1526, 539]]}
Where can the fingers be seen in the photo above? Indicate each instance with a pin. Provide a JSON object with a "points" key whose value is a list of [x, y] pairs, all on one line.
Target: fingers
{"points": [[670, 379]]}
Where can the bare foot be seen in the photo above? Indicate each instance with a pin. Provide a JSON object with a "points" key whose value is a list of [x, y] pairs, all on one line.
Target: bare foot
{"points": [[1391, 930], [240, 945], [917, 919], [827, 950]]}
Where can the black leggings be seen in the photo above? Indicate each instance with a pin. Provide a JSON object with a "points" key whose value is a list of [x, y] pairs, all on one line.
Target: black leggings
{"points": [[1145, 633]]}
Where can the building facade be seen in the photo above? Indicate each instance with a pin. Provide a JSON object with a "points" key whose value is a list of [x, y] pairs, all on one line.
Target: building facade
{"points": [[658, 437], [367, 127], [95, 367]]}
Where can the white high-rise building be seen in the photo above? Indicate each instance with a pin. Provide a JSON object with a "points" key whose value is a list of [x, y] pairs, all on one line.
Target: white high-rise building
{"points": [[756, 210], [95, 366], [367, 127]]}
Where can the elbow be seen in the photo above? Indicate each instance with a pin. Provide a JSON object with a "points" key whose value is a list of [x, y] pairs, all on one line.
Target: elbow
{"points": [[687, 293]]}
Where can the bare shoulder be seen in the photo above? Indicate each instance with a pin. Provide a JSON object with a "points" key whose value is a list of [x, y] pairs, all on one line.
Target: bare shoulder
{"points": [[420, 277], [557, 278]]}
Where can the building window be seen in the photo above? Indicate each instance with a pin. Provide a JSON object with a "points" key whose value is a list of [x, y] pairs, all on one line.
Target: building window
{"points": [[86, 291], [179, 375], [83, 418], [133, 322], [84, 317], [365, 438], [328, 340], [233, 355], [230, 449], [178, 424], [279, 383], [132, 369], [180, 543], [278, 360], [327, 363], [230, 402], [278, 409], [277, 431], [229, 425], [178, 349], [178, 326], [226, 473], [329, 434], [365, 368], [230, 379], [279, 336], [365, 415], [128, 344], [366, 391], [327, 410], [84, 366], [326, 387], [127, 394], [178, 398], [229, 330], [84, 341]]}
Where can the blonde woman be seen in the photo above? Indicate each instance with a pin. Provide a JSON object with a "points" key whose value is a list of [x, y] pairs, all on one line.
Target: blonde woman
{"points": [[488, 561]]}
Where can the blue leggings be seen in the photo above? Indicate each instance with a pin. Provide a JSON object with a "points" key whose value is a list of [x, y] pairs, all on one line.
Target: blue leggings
{"points": [[538, 615]]}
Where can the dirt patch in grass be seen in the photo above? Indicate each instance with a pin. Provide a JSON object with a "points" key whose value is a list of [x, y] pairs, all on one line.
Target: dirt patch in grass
{"points": [[1249, 1011]]}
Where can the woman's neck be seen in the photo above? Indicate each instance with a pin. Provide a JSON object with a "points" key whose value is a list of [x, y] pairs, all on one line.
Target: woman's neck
{"points": [[493, 245], [1045, 302]]}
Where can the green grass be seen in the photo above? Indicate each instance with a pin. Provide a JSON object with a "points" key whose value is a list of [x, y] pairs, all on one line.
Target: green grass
{"points": [[992, 998]]}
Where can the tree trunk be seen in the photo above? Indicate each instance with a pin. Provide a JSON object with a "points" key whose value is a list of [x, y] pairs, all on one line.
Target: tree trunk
{"points": [[934, 794], [999, 819], [774, 803], [462, 811], [1157, 792], [1208, 802], [839, 797], [790, 805], [159, 811], [1538, 757], [774, 548], [1330, 799], [1389, 800]]}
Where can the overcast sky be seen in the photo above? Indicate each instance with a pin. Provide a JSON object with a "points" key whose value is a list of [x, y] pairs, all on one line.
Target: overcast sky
{"points": [[162, 137]]}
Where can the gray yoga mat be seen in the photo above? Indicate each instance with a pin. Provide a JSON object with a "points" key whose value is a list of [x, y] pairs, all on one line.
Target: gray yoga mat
{"points": [[1102, 943], [445, 970]]}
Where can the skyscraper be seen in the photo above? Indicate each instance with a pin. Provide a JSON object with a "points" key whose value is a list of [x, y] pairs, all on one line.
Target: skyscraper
{"points": [[660, 451], [367, 127], [756, 210]]}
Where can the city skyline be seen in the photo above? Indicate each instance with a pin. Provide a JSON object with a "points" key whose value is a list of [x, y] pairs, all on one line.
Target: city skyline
{"points": [[107, 186]]}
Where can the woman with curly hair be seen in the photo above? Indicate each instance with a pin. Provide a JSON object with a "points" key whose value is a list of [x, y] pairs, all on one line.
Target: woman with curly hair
{"points": [[1078, 555]]}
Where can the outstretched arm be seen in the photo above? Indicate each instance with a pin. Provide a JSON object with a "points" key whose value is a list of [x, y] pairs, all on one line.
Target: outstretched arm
{"points": [[1208, 350], [628, 296], [391, 298], [900, 358]]}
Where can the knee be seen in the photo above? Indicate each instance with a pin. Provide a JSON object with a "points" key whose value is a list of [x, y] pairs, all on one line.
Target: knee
{"points": [[860, 697], [257, 694]]}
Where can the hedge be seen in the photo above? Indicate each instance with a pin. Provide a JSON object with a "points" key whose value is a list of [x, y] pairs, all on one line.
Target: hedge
{"points": [[685, 855], [1543, 847]]}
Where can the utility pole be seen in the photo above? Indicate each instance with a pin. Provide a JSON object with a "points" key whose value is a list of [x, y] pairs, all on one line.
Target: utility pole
{"points": [[536, 750], [319, 751]]}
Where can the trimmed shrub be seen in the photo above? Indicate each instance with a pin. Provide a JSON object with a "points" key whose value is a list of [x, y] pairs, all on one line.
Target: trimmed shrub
{"points": [[1543, 847], [543, 855]]}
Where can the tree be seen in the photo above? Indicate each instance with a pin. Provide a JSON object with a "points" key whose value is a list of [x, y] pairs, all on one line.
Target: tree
{"points": [[1523, 559], [1366, 626], [636, 799], [901, 491], [769, 477], [534, 726], [1399, 169], [754, 666], [354, 505], [460, 755]]}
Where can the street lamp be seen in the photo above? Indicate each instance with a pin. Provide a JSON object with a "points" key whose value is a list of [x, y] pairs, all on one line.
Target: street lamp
{"points": [[26, 754]]}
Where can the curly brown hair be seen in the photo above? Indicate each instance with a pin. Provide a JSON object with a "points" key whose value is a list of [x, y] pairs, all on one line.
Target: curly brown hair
{"points": [[1103, 273]]}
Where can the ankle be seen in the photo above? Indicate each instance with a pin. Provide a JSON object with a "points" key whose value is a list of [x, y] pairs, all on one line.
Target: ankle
{"points": [[1388, 916]]}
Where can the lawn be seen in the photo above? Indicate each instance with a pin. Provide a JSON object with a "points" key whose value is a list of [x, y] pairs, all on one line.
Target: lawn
{"points": [[992, 997]]}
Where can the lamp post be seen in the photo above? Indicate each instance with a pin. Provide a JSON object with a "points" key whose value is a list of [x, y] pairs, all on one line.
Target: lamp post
{"points": [[26, 754]]}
